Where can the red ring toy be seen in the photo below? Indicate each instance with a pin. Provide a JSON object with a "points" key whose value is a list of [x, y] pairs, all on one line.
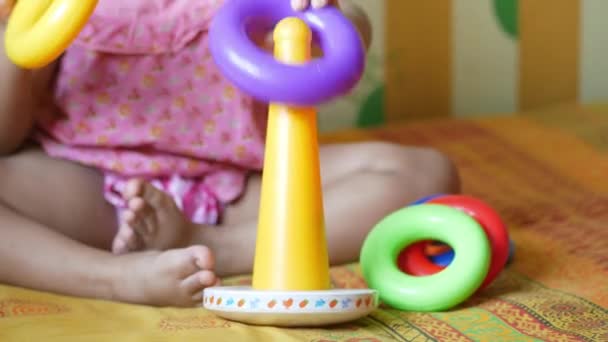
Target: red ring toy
{"points": [[413, 260]]}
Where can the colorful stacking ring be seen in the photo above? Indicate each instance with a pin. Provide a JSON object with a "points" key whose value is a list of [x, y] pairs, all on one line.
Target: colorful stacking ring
{"points": [[441, 290], [262, 76], [39, 31], [414, 260]]}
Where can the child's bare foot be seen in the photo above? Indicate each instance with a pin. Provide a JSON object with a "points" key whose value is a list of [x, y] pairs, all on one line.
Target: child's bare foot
{"points": [[172, 278], [152, 221]]}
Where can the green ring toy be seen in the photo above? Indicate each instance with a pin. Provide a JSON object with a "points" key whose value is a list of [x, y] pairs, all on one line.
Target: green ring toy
{"points": [[437, 292]]}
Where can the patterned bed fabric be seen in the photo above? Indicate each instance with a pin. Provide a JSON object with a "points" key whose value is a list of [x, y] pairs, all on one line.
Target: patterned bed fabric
{"points": [[545, 175]]}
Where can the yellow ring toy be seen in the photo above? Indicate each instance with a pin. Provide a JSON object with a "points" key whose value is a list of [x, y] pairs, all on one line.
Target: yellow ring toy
{"points": [[38, 31]]}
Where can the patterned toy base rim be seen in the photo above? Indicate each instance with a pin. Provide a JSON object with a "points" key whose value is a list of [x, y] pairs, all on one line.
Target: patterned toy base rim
{"points": [[290, 308]]}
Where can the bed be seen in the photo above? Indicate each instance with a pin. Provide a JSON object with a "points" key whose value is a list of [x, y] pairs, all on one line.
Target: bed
{"points": [[544, 171]]}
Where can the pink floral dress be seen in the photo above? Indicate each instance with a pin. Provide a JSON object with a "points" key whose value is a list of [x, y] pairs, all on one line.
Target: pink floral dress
{"points": [[141, 97]]}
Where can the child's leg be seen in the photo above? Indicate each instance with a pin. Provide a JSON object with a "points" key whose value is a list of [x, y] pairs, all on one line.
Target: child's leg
{"points": [[362, 183], [46, 205], [63, 195]]}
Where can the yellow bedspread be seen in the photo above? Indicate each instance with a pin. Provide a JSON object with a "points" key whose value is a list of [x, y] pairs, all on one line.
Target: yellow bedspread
{"points": [[545, 173]]}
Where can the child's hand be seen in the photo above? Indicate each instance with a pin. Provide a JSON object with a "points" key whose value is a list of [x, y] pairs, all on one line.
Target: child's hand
{"points": [[300, 5]]}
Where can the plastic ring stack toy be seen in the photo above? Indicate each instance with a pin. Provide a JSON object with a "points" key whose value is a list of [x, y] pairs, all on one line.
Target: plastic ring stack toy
{"points": [[415, 261], [270, 80], [291, 284], [403, 270], [436, 292]]}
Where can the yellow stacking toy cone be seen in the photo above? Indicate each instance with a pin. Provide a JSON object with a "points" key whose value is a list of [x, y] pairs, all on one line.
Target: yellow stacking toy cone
{"points": [[291, 284], [291, 251]]}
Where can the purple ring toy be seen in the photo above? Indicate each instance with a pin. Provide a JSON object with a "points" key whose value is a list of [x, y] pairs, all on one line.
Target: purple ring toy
{"points": [[259, 74]]}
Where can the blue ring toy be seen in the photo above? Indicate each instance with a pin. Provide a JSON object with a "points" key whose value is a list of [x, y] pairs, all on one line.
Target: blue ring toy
{"points": [[426, 199]]}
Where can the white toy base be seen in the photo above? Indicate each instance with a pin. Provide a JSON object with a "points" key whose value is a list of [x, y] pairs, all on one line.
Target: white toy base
{"points": [[289, 308]]}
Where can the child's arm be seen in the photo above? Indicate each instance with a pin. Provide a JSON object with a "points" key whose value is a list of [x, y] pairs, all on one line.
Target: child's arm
{"points": [[25, 95], [5, 8]]}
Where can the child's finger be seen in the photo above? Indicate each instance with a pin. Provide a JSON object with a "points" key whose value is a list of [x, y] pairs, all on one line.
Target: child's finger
{"points": [[323, 3], [319, 3], [299, 5]]}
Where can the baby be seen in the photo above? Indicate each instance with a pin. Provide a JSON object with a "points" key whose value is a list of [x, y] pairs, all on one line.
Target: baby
{"points": [[130, 168]]}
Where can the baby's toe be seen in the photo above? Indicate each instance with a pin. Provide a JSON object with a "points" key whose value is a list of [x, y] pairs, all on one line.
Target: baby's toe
{"points": [[125, 241], [299, 5], [155, 198], [203, 257], [184, 261], [137, 206], [132, 219], [119, 246], [196, 283], [131, 240], [138, 217], [199, 281], [319, 3], [134, 188]]}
